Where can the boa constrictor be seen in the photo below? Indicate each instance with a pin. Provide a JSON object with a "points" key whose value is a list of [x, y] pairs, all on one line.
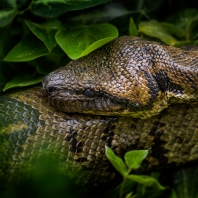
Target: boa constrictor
{"points": [[129, 94]]}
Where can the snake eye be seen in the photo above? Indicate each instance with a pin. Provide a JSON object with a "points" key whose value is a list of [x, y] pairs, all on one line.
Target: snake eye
{"points": [[89, 93], [51, 90]]}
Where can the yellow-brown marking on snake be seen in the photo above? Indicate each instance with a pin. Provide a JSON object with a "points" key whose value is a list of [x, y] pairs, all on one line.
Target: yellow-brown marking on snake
{"points": [[16, 127]]}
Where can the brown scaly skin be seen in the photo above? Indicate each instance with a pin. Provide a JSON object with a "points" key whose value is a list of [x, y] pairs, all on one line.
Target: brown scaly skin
{"points": [[127, 77], [30, 127]]}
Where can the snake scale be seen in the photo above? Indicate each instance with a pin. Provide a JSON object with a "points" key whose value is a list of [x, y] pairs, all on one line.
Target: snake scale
{"points": [[129, 94]]}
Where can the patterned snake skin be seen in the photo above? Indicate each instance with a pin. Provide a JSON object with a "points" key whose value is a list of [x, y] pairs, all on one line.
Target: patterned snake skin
{"points": [[30, 127]]}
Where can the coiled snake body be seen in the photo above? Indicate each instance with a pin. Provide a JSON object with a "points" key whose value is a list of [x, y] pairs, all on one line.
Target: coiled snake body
{"points": [[128, 85]]}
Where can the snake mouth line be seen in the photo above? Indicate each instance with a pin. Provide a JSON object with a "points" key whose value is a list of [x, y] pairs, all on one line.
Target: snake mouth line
{"points": [[73, 101]]}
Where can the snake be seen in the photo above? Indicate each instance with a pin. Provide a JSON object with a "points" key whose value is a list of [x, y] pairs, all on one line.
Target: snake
{"points": [[130, 94]]}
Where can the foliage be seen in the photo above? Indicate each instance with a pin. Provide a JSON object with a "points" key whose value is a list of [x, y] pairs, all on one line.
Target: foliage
{"points": [[146, 185], [38, 36]]}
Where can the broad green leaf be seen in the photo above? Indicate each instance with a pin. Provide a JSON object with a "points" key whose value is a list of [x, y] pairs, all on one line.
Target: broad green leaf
{"points": [[23, 79], [46, 64], [147, 181], [155, 175], [11, 4], [156, 30], [132, 28], [6, 16], [133, 159], [53, 24], [116, 161], [173, 30], [29, 48], [101, 14], [52, 8], [44, 33], [81, 40]]}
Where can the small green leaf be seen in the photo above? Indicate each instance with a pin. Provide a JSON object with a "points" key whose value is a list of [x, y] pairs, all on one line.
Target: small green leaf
{"points": [[27, 49], [6, 16], [23, 79], [132, 28], [116, 161], [44, 33], [81, 40], [133, 159], [147, 181], [52, 8], [156, 30]]}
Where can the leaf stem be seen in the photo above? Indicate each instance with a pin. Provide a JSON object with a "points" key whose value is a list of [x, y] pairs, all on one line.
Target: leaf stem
{"points": [[122, 187]]}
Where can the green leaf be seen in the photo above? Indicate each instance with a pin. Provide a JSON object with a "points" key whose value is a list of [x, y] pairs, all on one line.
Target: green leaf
{"points": [[156, 30], [6, 16], [23, 79], [173, 30], [46, 64], [116, 161], [81, 40], [51, 8], [132, 28], [147, 181], [27, 49], [133, 159], [44, 33]]}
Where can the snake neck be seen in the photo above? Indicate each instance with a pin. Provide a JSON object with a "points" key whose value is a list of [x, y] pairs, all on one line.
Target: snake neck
{"points": [[177, 74]]}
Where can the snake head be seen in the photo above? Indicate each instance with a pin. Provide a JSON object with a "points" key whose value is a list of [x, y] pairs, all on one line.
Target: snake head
{"points": [[116, 79]]}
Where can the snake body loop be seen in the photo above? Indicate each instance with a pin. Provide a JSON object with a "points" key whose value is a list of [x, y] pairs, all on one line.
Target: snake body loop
{"points": [[123, 82]]}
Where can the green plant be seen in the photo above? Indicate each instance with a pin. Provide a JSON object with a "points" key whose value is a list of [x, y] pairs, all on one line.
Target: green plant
{"points": [[142, 185], [39, 36]]}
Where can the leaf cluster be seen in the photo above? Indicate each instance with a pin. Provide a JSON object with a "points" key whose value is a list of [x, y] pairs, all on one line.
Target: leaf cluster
{"points": [[136, 186], [38, 36]]}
